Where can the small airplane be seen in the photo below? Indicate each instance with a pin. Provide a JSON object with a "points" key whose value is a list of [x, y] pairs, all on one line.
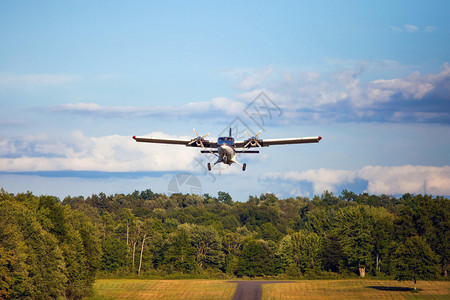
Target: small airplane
{"points": [[226, 148]]}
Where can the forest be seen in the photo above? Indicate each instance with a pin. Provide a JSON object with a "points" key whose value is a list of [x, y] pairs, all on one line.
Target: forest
{"points": [[56, 249]]}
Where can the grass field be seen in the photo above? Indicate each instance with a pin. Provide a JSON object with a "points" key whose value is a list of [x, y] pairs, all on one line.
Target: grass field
{"points": [[305, 289], [356, 289], [163, 289]]}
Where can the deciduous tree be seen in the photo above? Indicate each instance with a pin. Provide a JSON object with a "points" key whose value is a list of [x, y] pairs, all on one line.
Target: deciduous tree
{"points": [[414, 260]]}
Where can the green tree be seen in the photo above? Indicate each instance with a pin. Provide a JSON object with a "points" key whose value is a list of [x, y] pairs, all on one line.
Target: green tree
{"points": [[269, 232], [59, 221], [90, 237], [332, 255], [354, 228], [382, 235], [428, 217], [36, 267], [256, 259], [305, 250], [179, 254], [232, 242], [207, 243], [224, 197], [114, 253], [285, 255], [414, 260]]}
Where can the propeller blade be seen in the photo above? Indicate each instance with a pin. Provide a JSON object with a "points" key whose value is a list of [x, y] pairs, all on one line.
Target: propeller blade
{"points": [[253, 139], [196, 134], [205, 135]]}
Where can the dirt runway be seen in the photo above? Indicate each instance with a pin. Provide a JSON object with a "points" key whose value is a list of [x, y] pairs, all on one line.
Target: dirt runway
{"points": [[251, 290]]}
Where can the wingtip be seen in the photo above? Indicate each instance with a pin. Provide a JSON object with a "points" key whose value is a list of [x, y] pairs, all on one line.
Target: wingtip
{"points": [[134, 137], [320, 138]]}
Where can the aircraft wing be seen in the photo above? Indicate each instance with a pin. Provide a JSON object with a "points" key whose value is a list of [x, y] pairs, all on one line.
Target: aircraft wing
{"points": [[186, 142], [269, 142]]}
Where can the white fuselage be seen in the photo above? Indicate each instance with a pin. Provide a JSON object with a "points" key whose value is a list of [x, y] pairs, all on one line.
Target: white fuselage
{"points": [[226, 154]]}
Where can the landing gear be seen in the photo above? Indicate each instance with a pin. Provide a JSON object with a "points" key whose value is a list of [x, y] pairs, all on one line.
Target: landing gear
{"points": [[209, 167], [244, 166]]}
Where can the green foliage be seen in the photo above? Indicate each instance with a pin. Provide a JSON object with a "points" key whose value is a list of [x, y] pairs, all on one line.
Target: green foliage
{"points": [[207, 243], [114, 255], [415, 260], [179, 254], [53, 249], [354, 228], [224, 198], [40, 270], [331, 253], [305, 250], [256, 259], [269, 232]]}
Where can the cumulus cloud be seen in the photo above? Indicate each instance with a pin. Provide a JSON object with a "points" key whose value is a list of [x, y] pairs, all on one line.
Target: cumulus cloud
{"points": [[81, 153], [380, 180], [341, 96]]}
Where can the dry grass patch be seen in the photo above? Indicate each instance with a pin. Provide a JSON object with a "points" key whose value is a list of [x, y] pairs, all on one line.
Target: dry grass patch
{"points": [[163, 289], [356, 289]]}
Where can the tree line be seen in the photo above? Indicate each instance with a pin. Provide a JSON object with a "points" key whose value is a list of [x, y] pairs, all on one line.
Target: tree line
{"points": [[52, 249]]}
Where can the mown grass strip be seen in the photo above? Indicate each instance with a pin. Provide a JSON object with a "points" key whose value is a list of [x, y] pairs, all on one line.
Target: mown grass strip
{"points": [[163, 289], [356, 289]]}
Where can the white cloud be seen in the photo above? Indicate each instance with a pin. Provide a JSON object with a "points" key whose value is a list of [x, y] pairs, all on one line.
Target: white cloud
{"points": [[410, 28], [311, 96], [407, 28], [343, 96], [81, 153], [255, 79], [217, 107], [380, 180], [407, 179]]}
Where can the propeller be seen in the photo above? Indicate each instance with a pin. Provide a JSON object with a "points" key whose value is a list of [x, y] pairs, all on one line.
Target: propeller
{"points": [[198, 140], [253, 140]]}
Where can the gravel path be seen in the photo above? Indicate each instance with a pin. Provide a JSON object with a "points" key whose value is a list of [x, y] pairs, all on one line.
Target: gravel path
{"points": [[251, 290]]}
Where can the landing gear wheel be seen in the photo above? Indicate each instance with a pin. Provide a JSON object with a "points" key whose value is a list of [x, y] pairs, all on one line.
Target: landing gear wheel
{"points": [[244, 166], [209, 167]]}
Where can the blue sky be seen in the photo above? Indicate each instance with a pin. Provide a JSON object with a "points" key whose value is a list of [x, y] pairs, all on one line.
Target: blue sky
{"points": [[78, 79]]}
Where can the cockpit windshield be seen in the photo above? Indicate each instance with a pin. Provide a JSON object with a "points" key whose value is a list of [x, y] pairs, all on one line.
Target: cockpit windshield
{"points": [[226, 140]]}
